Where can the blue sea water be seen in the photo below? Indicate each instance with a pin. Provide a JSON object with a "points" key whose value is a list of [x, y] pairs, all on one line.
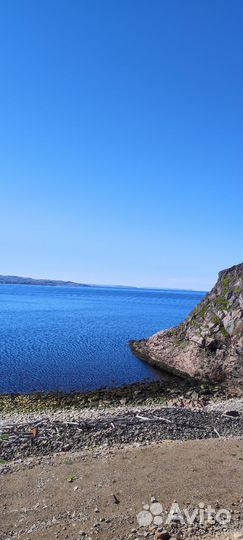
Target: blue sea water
{"points": [[76, 339]]}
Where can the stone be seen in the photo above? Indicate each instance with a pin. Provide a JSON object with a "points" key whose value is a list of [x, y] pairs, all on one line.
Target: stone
{"points": [[232, 414], [115, 499], [162, 535]]}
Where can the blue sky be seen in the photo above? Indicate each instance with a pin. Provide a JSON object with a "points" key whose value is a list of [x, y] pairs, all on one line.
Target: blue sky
{"points": [[121, 140]]}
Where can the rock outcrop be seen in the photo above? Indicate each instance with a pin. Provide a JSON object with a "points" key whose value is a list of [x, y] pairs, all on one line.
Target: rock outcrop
{"points": [[209, 344]]}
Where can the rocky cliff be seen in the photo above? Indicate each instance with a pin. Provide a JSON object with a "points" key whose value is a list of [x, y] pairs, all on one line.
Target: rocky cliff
{"points": [[209, 344]]}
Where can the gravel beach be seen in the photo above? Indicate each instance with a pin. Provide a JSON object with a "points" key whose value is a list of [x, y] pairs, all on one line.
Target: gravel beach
{"points": [[38, 435], [86, 469]]}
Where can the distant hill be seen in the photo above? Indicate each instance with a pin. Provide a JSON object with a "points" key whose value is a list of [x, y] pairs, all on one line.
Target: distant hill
{"points": [[17, 280]]}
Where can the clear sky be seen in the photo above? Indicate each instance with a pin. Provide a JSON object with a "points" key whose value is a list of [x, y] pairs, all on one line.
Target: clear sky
{"points": [[121, 140]]}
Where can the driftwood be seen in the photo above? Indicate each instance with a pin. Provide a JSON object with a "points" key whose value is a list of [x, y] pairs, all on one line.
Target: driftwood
{"points": [[217, 433], [154, 419]]}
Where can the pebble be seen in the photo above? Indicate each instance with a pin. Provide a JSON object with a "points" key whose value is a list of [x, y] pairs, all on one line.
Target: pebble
{"points": [[129, 428], [162, 535]]}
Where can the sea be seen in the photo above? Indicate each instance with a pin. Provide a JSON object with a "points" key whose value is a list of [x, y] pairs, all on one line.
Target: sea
{"points": [[77, 338]]}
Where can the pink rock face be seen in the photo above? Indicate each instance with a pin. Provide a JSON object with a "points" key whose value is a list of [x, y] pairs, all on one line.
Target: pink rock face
{"points": [[209, 344]]}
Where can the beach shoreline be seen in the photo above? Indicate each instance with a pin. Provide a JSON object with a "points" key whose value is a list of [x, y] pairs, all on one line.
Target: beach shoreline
{"points": [[150, 392], [71, 452]]}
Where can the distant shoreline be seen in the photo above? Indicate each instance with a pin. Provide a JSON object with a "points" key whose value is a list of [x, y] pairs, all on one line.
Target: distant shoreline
{"points": [[19, 280]]}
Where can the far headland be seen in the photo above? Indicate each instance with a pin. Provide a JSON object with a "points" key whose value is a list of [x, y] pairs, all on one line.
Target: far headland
{"points": [[22, 280]]}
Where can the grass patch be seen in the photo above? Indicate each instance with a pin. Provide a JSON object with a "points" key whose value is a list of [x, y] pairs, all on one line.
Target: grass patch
{"points": [[226, 284], [221, 303], [4, 437], [203, 311], [216, 320], [224, 332], [238, 290], [71, 478], [173, 331]]}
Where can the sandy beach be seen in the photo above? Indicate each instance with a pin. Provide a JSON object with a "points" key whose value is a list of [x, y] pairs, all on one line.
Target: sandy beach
{"points": [[71, 495]]}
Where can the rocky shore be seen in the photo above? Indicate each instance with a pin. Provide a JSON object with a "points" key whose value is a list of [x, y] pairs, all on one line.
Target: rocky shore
{"points": [[147, 393], [209, 344]]}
